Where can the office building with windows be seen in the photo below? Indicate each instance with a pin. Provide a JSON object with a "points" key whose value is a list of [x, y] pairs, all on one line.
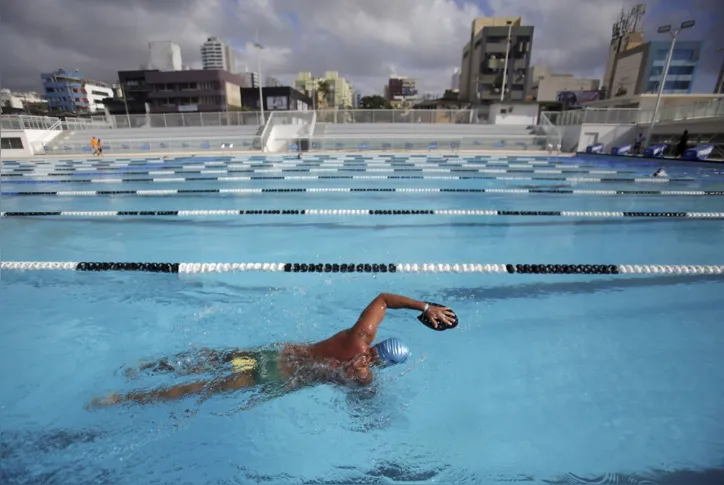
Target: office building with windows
{"points": [[70, 92], [640, 70], [484, 72]]}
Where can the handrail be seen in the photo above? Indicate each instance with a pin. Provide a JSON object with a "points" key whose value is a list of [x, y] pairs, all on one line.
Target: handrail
{"points": [[403, 136], [267, 131], [39, 144]]}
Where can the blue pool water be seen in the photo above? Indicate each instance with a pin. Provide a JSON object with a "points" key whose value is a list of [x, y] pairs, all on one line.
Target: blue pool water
{"points": [[548, 378]]}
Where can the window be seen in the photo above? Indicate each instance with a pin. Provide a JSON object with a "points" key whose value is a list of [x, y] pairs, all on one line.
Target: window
{"points": [[477, 45], [11, 143], [99, 93]]}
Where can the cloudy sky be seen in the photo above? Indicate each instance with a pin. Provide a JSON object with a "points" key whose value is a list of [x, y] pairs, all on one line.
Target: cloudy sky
{"points": [[365, 40]]}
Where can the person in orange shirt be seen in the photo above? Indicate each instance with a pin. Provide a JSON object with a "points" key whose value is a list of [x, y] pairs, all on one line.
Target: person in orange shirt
{"points": [[94, 146]]}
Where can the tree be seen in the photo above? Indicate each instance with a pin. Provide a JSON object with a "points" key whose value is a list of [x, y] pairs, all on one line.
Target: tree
{"points": [[323, 90], [374, 102]]}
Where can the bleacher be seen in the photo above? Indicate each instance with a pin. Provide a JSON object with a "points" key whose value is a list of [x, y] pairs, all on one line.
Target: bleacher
{"points": [[421, 129], [160, 139]]}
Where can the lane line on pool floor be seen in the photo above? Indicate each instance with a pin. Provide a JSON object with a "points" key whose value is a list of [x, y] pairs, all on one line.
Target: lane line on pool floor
{"points": [[314, 267], [371, 212], [328, 170], [87, 193], [649, 180]]}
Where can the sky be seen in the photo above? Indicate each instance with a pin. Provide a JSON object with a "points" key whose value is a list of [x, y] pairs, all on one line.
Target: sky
{"points": [[366, 41]]}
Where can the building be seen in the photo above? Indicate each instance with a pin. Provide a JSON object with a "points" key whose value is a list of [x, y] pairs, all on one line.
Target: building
{"points": [[272, 82], [625, 35], [639, 70], [401, 91], [484, 64], [199, 90], [70, 92], [455, 80], [340, 91], [546, 85], [164, 56], [251, 80], [278, 98], [216, 54]]}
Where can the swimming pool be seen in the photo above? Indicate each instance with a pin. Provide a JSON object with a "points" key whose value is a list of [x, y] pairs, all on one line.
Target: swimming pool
{"points": [[548, 379]]}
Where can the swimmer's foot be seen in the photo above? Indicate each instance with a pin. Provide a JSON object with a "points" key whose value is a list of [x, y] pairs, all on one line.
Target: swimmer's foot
{"points": [[102, 402]]}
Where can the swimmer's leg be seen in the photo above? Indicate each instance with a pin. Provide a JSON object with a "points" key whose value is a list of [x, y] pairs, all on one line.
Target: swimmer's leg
{"points": [[200, 362], [180, 391]]}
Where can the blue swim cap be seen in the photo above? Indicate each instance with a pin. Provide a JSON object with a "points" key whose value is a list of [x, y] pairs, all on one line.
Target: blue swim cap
{"points": [[392, 351]]}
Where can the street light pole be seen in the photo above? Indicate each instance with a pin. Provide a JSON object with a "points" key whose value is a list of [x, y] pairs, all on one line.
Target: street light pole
{"points": [[259, 47], [125, 103], [662, 84], [507, 54]]}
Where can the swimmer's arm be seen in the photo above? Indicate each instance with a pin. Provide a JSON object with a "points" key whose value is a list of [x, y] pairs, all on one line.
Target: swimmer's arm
{"points": [[372, 316]]}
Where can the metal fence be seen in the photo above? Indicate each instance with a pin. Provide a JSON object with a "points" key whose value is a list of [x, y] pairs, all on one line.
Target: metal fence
{"points": [[176, 120], [418, 143], [443, 116], [703, 109], [27, 122]]}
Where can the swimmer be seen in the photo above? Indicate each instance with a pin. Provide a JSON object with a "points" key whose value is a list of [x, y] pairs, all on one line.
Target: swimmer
{"points": [[660, 173], [346, 358]]}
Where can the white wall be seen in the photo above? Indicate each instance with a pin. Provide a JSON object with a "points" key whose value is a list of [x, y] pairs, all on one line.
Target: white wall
{"points": [[28, 139], [570, 139], [609, 135], [278, 135], [515, 114]]}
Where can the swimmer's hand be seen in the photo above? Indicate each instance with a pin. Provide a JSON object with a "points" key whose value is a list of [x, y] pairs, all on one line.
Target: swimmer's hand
{"points": [[439, 317]]}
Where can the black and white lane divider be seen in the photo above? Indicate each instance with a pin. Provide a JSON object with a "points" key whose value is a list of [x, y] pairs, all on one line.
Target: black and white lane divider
{"points": [[647, 180], [314, 267], [315, 168], [371, 212], [86, 193]]}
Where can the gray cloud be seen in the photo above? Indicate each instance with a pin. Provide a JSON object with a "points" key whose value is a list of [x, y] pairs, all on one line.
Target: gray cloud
{"points": [[365, 40]]}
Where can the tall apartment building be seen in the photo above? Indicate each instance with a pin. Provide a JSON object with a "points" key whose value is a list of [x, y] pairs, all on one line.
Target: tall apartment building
{"points": [[483, 66], [272, 82], [455, 80], [70, 92], [639, 70], [164, 56], [546, 84], [340, 91], [216, 54]]}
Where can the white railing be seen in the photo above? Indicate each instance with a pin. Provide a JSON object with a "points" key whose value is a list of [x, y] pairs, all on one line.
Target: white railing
{"points": [[554, 134], [39, 144], [176, 120], [700, 110], [267, 130], [111, 147], [394, 116], [26, 122], [417, 143]]}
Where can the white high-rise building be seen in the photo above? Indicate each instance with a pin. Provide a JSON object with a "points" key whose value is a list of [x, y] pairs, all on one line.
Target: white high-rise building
{"points": [[216, 54], [455, 80], [164, 56]]}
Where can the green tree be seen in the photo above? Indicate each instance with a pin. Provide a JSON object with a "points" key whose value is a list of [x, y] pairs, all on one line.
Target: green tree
{"points": [[323, 90], [374, 102]]}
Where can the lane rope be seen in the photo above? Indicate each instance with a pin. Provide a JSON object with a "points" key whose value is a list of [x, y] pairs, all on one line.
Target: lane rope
{"points": [[597, 269], [85, 193], [650, 180], [369, 212]]}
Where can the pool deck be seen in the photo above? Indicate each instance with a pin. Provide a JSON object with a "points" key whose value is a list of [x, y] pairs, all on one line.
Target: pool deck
{"points": [[513, 153]]}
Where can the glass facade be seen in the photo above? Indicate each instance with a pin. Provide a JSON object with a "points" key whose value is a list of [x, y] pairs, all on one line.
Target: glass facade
{"points": [[682, 70]]}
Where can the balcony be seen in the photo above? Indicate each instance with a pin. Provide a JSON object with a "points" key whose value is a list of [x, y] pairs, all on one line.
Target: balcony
{"points": [[496, 48]]}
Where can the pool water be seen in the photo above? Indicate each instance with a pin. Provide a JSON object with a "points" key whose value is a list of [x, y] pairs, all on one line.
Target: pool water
{"points": [[547, 379]]}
